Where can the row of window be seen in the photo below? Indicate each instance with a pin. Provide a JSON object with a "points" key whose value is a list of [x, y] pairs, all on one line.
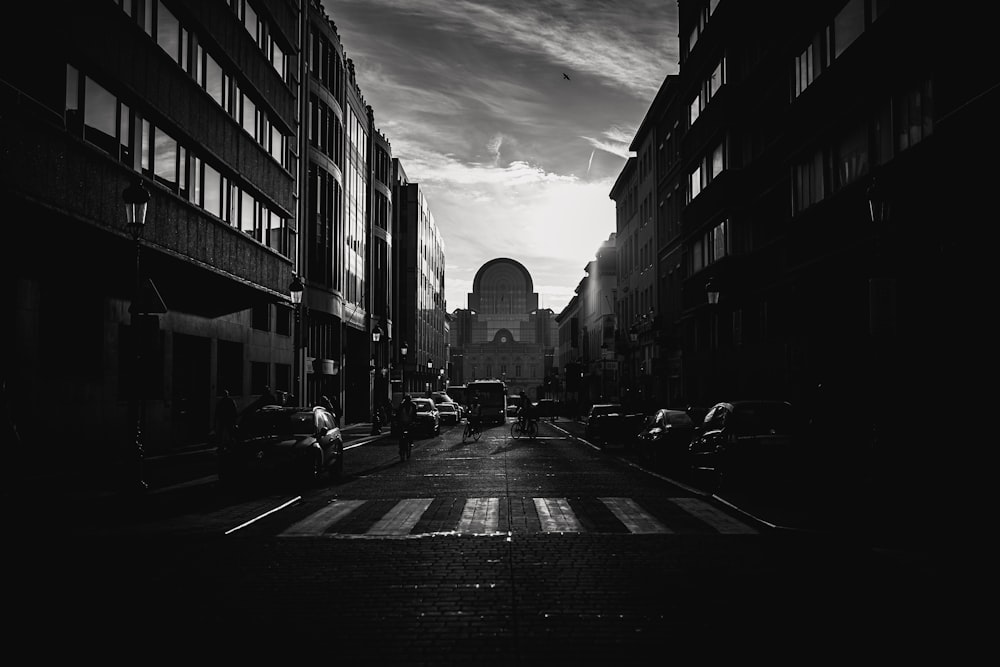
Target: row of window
{"points": [[260, 31], [183, 47], [532, 371], [701, 21], [827, 45], [326, 133], [901, 122], [711, 165], [325, 63], [711, 247], [707, 90], [102, 119]]}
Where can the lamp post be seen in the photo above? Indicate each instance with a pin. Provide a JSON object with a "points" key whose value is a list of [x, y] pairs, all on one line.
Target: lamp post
{"points": [[605, 353], [136, 199], [295, 289], [713, 300], [373, 367], [402, 372]]}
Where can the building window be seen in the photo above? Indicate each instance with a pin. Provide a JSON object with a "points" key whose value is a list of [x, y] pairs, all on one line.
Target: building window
{"points": [[283, 377], [259, 379], [807, 182], [260, 317], [851, 157], [694, 184], [100, 117], [283, 320], [848, 26], [914, 121], [229, 356]]}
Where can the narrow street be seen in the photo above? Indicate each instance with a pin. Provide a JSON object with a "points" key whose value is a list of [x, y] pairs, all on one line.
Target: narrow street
{"points": [[498, 551]]}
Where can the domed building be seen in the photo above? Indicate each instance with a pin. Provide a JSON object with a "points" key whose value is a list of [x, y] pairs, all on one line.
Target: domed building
{"points": [[503, 334]]}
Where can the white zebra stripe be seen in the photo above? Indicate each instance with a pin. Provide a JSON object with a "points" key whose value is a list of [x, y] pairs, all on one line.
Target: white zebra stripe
{"points": [[636, 519], [721, 521], [319, 521], [401, 519], [556, 516], [481, 515]]}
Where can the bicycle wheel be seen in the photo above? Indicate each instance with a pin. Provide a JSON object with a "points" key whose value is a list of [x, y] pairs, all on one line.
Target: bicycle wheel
{"points": [[515, 430]]}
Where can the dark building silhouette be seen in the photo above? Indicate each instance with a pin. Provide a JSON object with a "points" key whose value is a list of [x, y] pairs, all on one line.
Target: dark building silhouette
{"points": [[245, 124], [817, 175]]}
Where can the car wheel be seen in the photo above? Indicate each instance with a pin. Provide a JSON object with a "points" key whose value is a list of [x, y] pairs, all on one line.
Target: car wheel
{"points": [[315, 470], [337, 471]]}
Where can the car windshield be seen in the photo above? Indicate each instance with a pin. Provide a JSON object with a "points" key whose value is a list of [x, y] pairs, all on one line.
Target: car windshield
{"points": [[446, 407], [279, 423], [423, 406], [762, 418], [678, 419], [598, 410]]}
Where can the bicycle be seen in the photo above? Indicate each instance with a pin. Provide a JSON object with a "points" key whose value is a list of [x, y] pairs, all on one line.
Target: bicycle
{"points": [[472, 430], [526, 427], [405, 444]]}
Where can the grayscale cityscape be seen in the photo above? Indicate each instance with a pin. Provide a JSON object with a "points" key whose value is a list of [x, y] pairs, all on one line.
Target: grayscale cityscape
{"points": [[492, 332]]}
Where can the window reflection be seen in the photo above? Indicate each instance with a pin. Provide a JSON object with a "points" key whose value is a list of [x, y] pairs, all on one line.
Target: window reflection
{"points": [[100, 117], [165, 158], [167, 32], [213, 79], [213, 191]]}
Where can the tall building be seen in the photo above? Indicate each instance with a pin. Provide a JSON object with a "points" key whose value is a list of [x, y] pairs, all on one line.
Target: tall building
{"points": [[820, 182], [504, 334], [421, 307], [135, 331], [346, 239]]}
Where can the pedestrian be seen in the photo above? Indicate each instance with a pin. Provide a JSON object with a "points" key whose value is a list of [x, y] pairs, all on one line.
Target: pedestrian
{"points": [[225, 418]]}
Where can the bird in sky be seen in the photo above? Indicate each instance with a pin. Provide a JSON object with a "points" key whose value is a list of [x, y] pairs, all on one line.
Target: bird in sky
{"points": [[566, 76]]}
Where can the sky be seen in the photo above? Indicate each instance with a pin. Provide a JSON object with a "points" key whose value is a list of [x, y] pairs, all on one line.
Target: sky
{"points": [[514, 159]]}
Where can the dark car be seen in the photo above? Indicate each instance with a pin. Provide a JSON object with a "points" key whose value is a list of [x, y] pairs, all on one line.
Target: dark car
{"points": [[276, 440], [428, 419], [665, 438], [448, 413], [547, 408], [754, 441], [611, 425]]}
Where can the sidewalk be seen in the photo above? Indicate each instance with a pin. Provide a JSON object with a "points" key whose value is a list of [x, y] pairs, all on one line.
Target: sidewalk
{"points": [[96, 480]]}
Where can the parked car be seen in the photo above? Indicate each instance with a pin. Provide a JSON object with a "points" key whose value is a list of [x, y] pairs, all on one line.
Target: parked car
{"points": [[428, 419], [547, 408], [755, 441], [448, 413], [611, 425], [279, 440], [665, 438]]}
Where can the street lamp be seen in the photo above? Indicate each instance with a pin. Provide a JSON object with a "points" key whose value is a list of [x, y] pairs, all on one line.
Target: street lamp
{"points": [[295, 289], [712, 291], [878, 204], [136, 199]]}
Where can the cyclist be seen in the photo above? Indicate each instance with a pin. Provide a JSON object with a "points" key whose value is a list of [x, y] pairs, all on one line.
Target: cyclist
{"points": [[405, 415], [475, 413], [523, 408]]}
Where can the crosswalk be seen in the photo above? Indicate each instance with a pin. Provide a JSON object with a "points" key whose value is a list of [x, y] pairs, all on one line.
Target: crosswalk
{"points": [[406, 517]]}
